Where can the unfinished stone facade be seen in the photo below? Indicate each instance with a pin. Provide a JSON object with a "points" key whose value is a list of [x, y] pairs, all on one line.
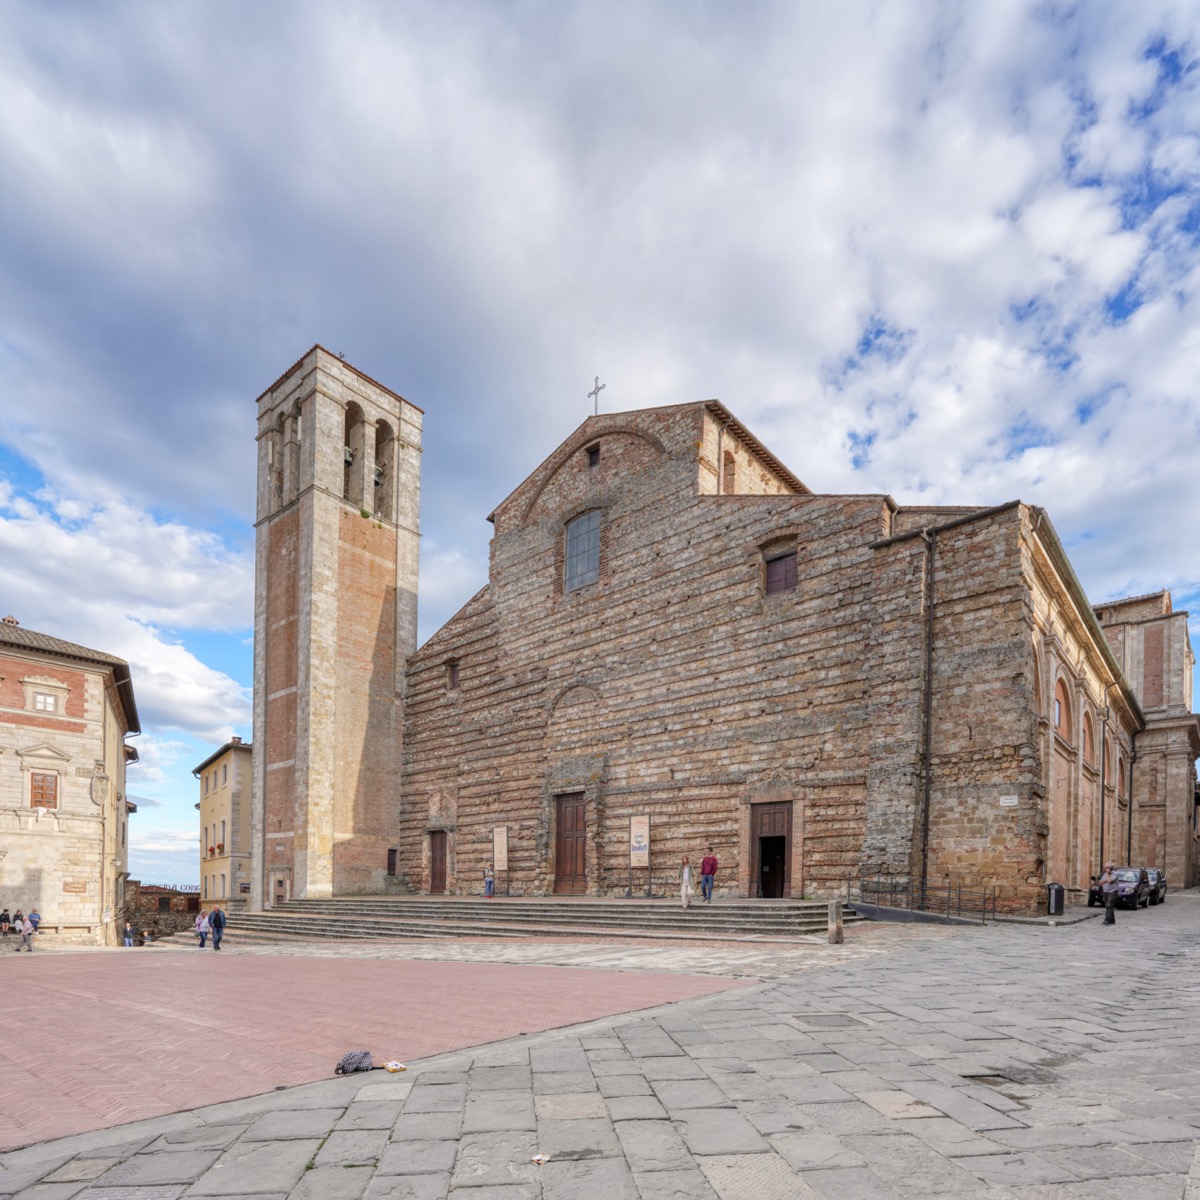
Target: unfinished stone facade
{"points": [[335, 619], [674, 626], [65, 712], [889, 708]]}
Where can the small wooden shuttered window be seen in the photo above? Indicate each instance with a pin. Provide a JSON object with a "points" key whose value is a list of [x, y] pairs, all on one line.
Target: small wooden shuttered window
{"points": [[43, 791], [781, 573]]}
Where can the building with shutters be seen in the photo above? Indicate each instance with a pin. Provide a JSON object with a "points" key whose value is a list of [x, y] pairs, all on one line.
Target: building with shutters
{"points": [[675, 626], [224, 782], [65, 712]]}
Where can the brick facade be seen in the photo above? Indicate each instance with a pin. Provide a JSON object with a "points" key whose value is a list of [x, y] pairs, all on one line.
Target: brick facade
{"points": [[65, 711]]}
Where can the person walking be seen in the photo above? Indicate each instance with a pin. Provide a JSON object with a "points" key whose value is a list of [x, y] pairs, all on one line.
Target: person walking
{"points": [[202, 928], [128, 934], [708, 871], [685, 881], [216, 922], [1108, 883], [489, 881], [27, 932]]}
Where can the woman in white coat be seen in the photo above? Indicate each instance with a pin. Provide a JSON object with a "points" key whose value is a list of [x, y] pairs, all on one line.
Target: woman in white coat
{"points": [[685, 881]]}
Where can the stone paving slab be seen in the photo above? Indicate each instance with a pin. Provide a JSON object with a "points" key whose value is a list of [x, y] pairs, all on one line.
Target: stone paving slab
{"points": [[861, 1096]]}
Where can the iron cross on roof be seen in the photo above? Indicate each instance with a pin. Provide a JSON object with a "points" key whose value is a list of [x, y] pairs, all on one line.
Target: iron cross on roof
{"points": [[594, 394]]}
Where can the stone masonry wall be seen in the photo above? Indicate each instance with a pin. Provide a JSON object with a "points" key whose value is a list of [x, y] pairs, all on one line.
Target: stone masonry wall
{"points": [[674, 686]]}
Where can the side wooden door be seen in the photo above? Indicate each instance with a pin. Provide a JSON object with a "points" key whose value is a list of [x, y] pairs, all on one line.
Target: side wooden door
{"points": [[570, 845], [437, 862]]}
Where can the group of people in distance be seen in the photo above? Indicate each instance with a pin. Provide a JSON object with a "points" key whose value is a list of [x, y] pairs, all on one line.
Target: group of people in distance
{"points": [[708, 872], [22, 925], [210, 922]]}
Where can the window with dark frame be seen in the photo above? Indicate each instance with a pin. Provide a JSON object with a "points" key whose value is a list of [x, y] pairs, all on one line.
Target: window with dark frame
{"points": [[593, 455], [43, 790], [583, 551], [781, 573], [391, 862], [452, 676]]}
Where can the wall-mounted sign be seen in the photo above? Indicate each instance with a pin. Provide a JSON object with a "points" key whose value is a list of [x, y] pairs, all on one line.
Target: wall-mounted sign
{"points": [[639, 841], [74, 885], [1008, 801], [500, 848]]}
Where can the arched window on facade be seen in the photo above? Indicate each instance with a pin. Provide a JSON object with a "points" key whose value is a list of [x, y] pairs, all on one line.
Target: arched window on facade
{"points": [[1062, 710], [729, 474], [1089, 741], [1120, 780], [385, 470], [352, 453]]}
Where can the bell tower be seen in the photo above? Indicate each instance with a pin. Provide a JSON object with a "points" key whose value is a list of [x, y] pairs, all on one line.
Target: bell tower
{"points": [[335, 619]]}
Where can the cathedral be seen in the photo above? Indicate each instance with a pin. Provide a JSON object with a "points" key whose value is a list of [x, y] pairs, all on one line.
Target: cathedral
{"points": [[681, 646]]}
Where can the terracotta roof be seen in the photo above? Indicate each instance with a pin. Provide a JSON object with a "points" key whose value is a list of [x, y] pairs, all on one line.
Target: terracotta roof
{"points": [[12, 634], [342, 362], [17, 635]]}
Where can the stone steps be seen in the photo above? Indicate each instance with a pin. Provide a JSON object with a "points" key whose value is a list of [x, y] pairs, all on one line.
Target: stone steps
{"points": [[397, 917]]}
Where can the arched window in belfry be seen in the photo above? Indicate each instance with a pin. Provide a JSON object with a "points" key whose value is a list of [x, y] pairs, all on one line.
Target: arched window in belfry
{"points": [[275, 443], [292, 434], [1062, 710], [1089, 741], [352, 455], [385, 470]]}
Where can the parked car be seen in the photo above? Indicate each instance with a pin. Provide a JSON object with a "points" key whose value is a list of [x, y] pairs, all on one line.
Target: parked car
{"points": [[1158, 885], [1133, 888]]}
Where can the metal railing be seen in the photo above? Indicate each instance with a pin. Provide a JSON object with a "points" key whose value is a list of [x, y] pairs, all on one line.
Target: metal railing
{"points": [[944, 898]]}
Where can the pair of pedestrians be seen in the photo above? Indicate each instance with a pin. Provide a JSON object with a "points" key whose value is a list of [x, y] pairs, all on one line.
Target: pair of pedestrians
{"points": [[211, 922], [708, 871]]}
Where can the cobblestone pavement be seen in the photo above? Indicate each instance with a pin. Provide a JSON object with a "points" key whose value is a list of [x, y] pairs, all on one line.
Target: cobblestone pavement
{"points": [[1035, 1063]]}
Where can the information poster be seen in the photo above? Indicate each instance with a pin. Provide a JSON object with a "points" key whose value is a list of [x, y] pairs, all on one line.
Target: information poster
{"points": [[639, 841], [500, 848]]}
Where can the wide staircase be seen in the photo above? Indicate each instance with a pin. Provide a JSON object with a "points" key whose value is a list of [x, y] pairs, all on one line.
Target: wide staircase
{"points": [[379, 917]]}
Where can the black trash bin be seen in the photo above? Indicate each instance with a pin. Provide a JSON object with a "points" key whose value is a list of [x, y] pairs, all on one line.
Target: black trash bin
{"points": [[1056, 900]]}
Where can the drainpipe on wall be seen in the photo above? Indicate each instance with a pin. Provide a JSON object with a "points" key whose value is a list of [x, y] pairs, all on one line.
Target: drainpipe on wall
{"points": [[1103, 765], [929, 537], [720, 466], [1129, 835]]}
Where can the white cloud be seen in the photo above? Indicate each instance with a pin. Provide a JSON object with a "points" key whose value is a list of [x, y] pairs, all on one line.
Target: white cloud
{"points": [[114, 578]]}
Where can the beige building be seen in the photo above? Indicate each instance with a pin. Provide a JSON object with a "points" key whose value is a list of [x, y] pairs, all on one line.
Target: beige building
{"points": [[224, 779], [65, 712], [676, 628]]}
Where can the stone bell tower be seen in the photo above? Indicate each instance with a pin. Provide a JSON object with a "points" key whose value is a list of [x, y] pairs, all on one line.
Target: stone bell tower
{"points": [[335, 619]]}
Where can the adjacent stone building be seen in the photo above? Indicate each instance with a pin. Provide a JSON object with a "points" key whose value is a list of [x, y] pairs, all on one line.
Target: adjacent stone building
{"points": [[224, 780], [676, 627], [65, 712]]}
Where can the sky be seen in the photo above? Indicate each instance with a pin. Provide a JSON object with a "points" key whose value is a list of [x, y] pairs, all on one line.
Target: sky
{"points": [[944, 251]]}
